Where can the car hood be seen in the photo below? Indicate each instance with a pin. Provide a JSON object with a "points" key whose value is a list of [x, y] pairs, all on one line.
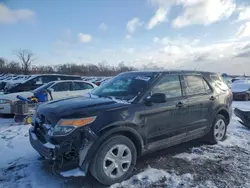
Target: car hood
{"points": [[76, 107]]}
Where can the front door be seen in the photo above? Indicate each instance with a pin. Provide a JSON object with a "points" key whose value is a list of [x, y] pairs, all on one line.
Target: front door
{"points": [[165, 121]]}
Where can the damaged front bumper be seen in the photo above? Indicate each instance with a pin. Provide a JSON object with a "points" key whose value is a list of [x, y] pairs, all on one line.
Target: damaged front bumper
{"points": [[63, 152], [47, 150]]}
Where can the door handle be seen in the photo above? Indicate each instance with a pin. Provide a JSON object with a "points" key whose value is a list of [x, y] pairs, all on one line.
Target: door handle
{"points": [[212, 98], [179, 104]]}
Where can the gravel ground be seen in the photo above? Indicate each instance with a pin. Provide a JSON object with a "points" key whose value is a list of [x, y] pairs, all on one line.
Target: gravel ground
{"points": [[188, 165]]}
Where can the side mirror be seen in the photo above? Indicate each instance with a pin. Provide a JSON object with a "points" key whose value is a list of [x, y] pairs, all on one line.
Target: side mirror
{"points": [[157, 98]]}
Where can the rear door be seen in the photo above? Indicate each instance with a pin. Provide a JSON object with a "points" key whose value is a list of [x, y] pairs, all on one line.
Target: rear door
{"points": [[200, 103]]}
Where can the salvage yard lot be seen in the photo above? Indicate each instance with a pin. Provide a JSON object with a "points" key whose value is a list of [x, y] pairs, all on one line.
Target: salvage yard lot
{"points": [[188, 165]]}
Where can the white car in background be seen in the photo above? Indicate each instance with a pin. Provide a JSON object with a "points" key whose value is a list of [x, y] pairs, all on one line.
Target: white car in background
{"points": [[59, 89]]}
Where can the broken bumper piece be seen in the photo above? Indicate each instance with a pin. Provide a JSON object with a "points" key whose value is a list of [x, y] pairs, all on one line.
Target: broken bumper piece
{"points": [[244, 117], [47, 150]]}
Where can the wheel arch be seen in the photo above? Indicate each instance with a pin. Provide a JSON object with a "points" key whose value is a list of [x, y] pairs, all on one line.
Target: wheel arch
{"points": [[122, 129], [225, 113]]}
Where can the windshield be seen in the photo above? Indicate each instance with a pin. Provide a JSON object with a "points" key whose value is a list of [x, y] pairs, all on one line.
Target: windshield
{"points": [[125, 86], [44, 87]]}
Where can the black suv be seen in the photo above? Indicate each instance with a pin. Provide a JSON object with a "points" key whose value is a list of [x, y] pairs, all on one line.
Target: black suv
{"points": [[130, 115]]}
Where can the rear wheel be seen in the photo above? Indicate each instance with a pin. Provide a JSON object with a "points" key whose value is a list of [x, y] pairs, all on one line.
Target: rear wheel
{"points": [[218, 130], [114, 160]]}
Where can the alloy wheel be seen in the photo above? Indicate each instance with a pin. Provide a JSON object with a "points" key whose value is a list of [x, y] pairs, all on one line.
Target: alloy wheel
{"points": [[219, 130], [117, 161]]}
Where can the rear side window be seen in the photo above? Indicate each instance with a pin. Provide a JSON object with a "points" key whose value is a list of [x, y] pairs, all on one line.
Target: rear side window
{"points": [[169, 85], [81, 86], [47, 79], [63, 86], [70, 78], [195, 85], [219, 83]]}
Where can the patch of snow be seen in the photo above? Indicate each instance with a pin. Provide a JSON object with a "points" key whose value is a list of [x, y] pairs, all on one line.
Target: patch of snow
{"points": [[120, 101], [158, 176], [73, 173], [193, 156]]}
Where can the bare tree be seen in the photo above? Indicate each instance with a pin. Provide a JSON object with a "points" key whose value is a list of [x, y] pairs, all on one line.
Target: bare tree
{"points": [[26, 57], [2, 62]]}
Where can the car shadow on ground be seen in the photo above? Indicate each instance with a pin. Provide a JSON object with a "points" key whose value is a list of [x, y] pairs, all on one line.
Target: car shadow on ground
{"points": [[162, 159]]}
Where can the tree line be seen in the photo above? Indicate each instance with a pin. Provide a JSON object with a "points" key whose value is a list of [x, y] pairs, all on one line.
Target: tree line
{"points": [[25, 65]]}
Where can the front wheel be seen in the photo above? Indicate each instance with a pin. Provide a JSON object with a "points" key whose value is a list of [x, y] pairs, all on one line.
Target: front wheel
{"points": [[114, 160], [218, 130]]}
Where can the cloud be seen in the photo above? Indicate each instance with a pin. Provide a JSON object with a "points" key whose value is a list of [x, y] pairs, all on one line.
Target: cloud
{"points": [[133, 24], [129, 50], [159, 17], [84, 38], [244, 14], [128, 37], [156, 40], [244, 30], [203, 12], [184, 53], [103, 27], [12, 16]]}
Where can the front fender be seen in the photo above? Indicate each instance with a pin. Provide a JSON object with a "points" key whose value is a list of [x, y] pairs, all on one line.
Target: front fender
{"points": [[91, 146]]}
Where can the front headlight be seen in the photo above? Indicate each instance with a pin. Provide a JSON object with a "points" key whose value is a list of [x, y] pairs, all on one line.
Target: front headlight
{"points": [[5, 101], [65, 126]]}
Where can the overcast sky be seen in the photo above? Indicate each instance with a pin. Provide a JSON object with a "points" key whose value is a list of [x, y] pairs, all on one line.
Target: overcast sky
{"points": [[203, 34]]}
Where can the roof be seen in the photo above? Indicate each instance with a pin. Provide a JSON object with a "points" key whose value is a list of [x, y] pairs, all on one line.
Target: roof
{"points": [[53, 75], [59, 81], [174, 71]]}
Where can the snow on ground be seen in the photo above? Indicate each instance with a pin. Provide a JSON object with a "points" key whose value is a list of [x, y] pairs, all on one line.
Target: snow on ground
{"points": [[188, 165]]}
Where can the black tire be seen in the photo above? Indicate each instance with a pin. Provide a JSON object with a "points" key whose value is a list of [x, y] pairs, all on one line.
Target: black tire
{"points": [[97, 169], [210, 137]]}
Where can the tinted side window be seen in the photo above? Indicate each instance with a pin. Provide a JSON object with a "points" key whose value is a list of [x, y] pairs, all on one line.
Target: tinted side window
{"points": [[75, 78], [64, 86], [34, 81], [170, 85], [219, 82], [47, 79], [195, 85], [81, 86]]}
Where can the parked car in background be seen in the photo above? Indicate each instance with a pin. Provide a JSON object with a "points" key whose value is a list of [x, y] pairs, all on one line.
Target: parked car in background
{"points": [[241, 90], [102, 80], [35, 81], [133, 114], [7, 83], [58, 89]]}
